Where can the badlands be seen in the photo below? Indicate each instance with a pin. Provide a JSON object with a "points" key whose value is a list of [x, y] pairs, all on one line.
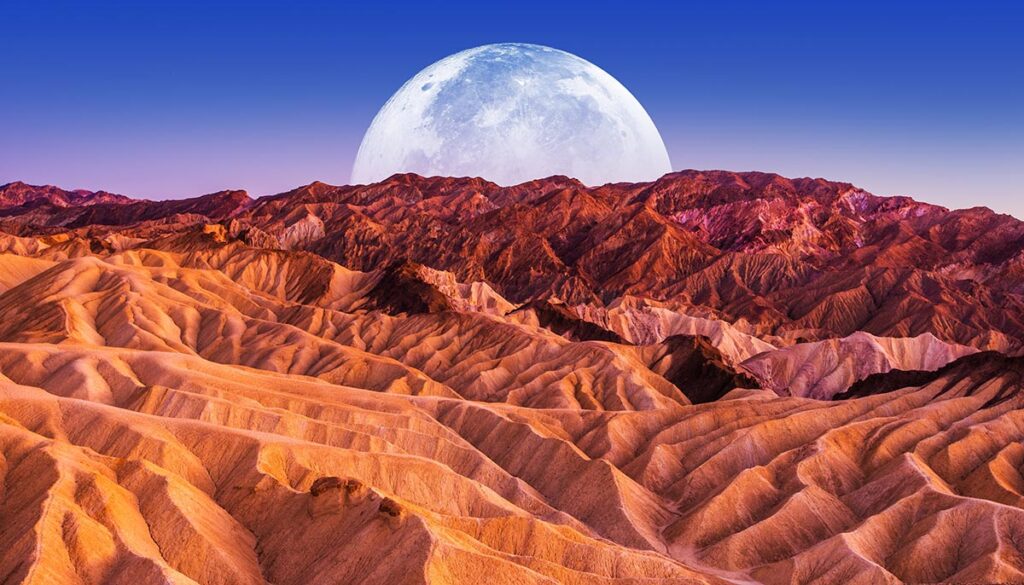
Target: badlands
{"points": [[712, 378]]}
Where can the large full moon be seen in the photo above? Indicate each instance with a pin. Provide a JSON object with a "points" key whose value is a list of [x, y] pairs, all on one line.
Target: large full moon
{"points": [[510, 113]]}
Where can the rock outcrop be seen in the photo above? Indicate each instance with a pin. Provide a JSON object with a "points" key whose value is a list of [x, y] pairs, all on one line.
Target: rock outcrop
{"points": [[713, 378]]}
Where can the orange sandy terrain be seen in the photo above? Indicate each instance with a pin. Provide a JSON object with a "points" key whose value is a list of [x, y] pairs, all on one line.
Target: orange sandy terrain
{"points": [[445, 381]]}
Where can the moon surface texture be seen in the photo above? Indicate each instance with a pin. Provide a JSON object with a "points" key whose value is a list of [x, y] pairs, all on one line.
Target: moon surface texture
{"points": [[511, 113]]}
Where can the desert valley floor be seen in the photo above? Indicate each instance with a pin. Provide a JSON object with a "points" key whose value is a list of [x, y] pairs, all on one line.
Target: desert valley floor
{"points": [[713, 378]]}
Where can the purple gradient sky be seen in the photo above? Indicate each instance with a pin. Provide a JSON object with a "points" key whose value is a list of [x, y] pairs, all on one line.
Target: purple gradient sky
{"points": [[162, 99]]}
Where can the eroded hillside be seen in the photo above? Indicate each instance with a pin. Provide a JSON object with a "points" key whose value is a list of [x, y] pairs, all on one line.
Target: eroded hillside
{"points": [[712, 378]]}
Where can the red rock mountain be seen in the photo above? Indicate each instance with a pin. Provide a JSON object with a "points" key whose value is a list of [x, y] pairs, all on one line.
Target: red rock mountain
{"points": [[712, 378], [18, 193]]}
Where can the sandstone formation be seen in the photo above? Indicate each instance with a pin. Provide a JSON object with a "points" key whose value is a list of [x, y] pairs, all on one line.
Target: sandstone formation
{"points": [[712, 378]]}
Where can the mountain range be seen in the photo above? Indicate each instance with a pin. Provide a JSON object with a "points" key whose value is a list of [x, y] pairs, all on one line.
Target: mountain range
{"points": [[714, 377]]}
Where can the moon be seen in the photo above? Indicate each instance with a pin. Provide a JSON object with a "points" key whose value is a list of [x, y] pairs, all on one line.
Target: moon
{"points": [[511, 113]]}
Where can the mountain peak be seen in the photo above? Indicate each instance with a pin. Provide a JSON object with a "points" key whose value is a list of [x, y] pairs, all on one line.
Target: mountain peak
{"points": [[19, 193]]}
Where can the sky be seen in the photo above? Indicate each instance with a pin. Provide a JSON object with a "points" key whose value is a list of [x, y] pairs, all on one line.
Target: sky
{"points": [[175, 99]]}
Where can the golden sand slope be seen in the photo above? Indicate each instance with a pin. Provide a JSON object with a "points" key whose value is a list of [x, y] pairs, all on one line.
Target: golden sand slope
{"points": [[246, 418]]}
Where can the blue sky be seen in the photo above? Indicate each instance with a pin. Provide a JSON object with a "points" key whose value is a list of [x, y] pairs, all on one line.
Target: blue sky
{"points": [[173, 99]]}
